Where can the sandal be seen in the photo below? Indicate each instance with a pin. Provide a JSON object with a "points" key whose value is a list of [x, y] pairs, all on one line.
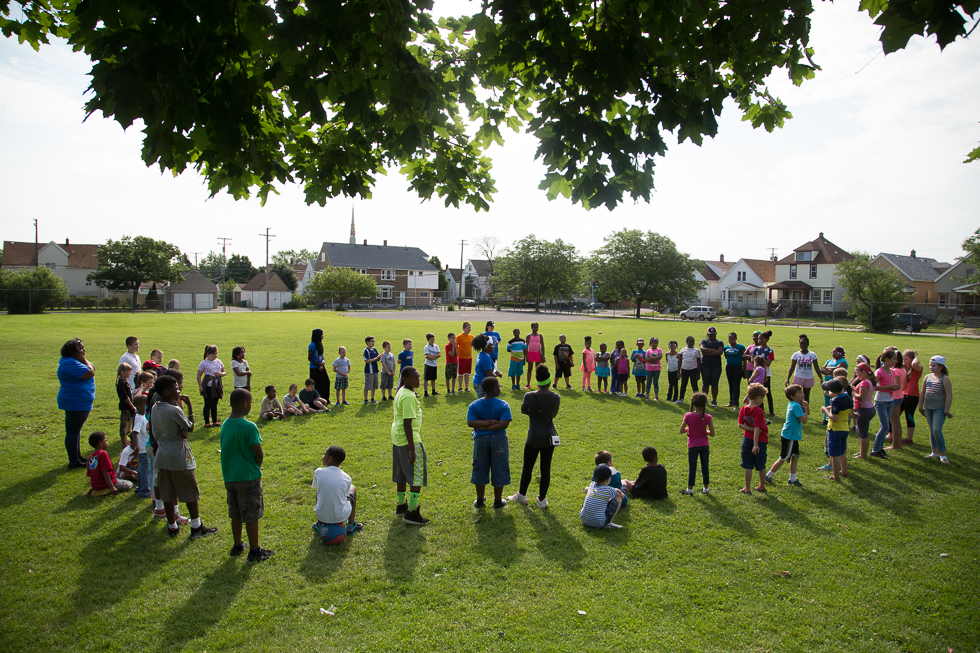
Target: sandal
{"points": [[831, 478], [759, 488], [744, 491]]}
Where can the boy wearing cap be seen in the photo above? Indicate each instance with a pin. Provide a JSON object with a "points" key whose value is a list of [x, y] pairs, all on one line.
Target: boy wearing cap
{"points": [[602, 501], [837, 414], [711, 351], [492, 335]]}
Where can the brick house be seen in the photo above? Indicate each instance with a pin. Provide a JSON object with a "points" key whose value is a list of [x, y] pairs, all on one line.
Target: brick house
{"points": [[403, 274]]}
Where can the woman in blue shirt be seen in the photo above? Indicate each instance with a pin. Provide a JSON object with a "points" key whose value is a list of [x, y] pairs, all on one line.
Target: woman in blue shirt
{"points": [[318, 370], [76, 396]]}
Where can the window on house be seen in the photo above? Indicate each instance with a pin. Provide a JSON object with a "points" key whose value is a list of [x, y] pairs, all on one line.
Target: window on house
{"points": [[411, 273], [942, 300], [423, 294], [742, 276], [828, 297], [49, 266], [387, 275], [804, 256], [813, 270], [323, 257], [88, 283], [385, 293], [361, 271], [792, 272]]}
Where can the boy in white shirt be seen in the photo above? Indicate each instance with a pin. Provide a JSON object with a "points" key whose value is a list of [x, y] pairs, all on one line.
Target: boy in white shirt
{"points": [[432, 355], [141, 436], [336, 499], [341, 371]]}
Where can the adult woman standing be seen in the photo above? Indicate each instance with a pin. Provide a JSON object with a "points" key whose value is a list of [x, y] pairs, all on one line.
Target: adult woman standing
{"points": [[541, 407], [209, 374], [318, 370], [76, 396]]}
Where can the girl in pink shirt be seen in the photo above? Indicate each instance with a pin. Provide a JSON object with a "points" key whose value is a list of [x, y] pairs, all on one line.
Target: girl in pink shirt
{"points": [[698, 426], [588, 364], [864, 404], [898, 396]]}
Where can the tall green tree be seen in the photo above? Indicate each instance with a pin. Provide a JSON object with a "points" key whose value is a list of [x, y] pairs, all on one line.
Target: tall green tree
{"points": [[126, 263], [287, 274], [212, 266], [443, 283], [240, 269], [638, 266], [31, 290], [340, 285], [875, 293], [539, 269], [293, 256]]}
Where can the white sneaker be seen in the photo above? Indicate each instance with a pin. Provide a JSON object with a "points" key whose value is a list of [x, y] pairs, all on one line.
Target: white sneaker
{"points": [[518, 498], [542, 503], [944, 460], [612, 525], [932, 455], [705, 490]]}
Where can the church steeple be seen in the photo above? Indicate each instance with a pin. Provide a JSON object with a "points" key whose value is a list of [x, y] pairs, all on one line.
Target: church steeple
{"points": [[353, 240]]}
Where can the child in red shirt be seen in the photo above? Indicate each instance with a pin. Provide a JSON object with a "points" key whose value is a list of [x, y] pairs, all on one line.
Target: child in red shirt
{"points": [[101, 473], [752, 420]]}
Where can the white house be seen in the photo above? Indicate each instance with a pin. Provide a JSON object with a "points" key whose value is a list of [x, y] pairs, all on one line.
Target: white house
{"points": [[744, 286], [479, 271], [808, 278], [710, 276], [254, 292], [953, 292], [304, 272], [454, 283], [73, 263]]}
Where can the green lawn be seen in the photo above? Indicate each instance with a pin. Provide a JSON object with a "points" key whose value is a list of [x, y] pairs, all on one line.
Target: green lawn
{"points": [[886, 561]]}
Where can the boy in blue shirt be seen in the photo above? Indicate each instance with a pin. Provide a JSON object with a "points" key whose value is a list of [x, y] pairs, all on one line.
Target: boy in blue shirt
{"points": [[371, 358], [837, 415], [797, 413], [489, 418], [406, 357]]}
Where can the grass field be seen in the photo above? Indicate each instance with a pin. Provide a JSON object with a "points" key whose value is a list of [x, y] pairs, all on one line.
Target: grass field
{"points": [[885, 561]]}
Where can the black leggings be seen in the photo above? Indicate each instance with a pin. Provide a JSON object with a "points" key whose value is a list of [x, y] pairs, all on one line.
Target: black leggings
{"points": [[210, 410], [734, 375], [686, 375], [530, 455], [769, 394], [672, 385], [909, 404], [321, 382], [693, 453]]}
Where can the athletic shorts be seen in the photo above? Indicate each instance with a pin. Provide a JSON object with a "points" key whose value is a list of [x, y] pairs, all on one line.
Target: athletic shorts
{"points": [[450, 371], [370, 381], [534, 357], [788, 448], [177, 484], [710, 376], [245, 500], [516, 368], [750, 460], [836, 443], [563, 371], [465, 366], [491, 460], [803, 383], [431, 372], [402, 472]]}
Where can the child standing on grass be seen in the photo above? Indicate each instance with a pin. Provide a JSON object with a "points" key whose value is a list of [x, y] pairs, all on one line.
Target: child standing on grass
{"points": [[144, 469], [144, 383], [758, 375], [291, 403], [672, 372], [885, 385], [913, 376], [604, 457], [126, 408], [387, 382], [535, 352], [653, 357], [464, 356], [406, 357], [898, 396], [690, 360], [240, 369], [484, 367], [651, 483], [241, 469], [639, 359], [564, 359], [838, 415], [588, 364], [752, 421], [341, 375], [698, 426], [516, 346], [801, 368], [797, 414], [409, 469], [371, 358], [270, 408], [602, 501], [602, 368], [309, 396], [614, 368], [432, 355], [937, 399], [452, 364], [102, 476], [489, 417], [336, 499], [864, 386]]}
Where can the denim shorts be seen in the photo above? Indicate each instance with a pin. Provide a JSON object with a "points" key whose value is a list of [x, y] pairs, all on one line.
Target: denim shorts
{"points": [[750, 460], [836, 443], [491, 460], [710, 376]]}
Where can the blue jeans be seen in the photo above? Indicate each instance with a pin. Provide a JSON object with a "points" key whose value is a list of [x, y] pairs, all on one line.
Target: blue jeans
{"points": [[653, 379], [935, 419], [143, 473], [884, 410], [74, 421], [491, 460]]}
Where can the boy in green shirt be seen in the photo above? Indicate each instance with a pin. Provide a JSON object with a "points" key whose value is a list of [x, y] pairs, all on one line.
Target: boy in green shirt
{"points": [[408, 454], [241, 468]]}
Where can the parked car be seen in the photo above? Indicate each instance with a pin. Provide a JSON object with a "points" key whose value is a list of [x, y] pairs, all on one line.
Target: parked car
{"points": [[467, 302], [911, 322], [701, 313], [595, 306]]}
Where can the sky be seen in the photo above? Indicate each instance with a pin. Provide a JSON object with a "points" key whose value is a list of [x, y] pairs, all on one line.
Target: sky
{"points": [[872, 158]]}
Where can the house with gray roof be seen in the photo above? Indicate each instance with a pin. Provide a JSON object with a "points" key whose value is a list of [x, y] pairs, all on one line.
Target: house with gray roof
{"points": [[194, 293], [919, 272], [403, 274], [479, 272]]}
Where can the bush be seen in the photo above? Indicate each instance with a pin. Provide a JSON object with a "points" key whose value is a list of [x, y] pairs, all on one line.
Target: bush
{"points": [[450, 307], [297, 302], [723, 312], [338, 307], [944, 318], [31, 290]]}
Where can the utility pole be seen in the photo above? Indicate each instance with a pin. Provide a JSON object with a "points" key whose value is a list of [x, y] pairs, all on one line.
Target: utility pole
{"points": [[267, 236], [772, 254], [195, 257], [224, 264], [461, 292], [35, 242]]}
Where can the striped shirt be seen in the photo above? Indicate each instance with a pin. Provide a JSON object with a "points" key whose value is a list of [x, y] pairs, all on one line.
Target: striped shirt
{"points": [[593, 511]]}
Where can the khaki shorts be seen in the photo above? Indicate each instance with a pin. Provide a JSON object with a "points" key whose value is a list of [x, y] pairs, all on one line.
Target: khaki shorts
{"points": [[245, 500], [177, 484]]}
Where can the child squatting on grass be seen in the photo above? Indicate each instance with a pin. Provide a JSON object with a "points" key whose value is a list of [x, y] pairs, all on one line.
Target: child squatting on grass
{"points": [[602, 501], [336, 499], [241, 469]]}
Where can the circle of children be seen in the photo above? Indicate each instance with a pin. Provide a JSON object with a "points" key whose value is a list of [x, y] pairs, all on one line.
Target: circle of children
{"points": [[156, 418]]}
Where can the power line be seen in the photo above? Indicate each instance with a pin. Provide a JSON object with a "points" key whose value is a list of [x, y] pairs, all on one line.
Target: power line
{"points": [[267, 236]]}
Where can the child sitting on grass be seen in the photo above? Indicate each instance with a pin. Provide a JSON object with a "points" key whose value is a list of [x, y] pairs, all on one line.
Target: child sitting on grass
{"points": [[752, 421], [309, 396], [101, 476], [241, 470], [292, 404], [126, 469], [336, 499], [651, 483], [616, 480], [270, 408], [602, 501]]}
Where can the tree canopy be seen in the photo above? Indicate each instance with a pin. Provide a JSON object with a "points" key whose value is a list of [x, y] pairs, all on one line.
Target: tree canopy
{"points": [[972, 248], [31, 290], [637, 266], [340, 285], [875, 293], [212, 266], [286, 273], [293, 256], [538, 268], [126, 263], [240, 269]]}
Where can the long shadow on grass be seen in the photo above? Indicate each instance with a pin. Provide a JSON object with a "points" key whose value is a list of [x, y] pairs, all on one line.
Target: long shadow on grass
{"points": [[496, 534], [554, 540], [886, 488], [206, 607], [787, 513], [402, 550], [28, 488], [322, 561], [726, 517]]}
